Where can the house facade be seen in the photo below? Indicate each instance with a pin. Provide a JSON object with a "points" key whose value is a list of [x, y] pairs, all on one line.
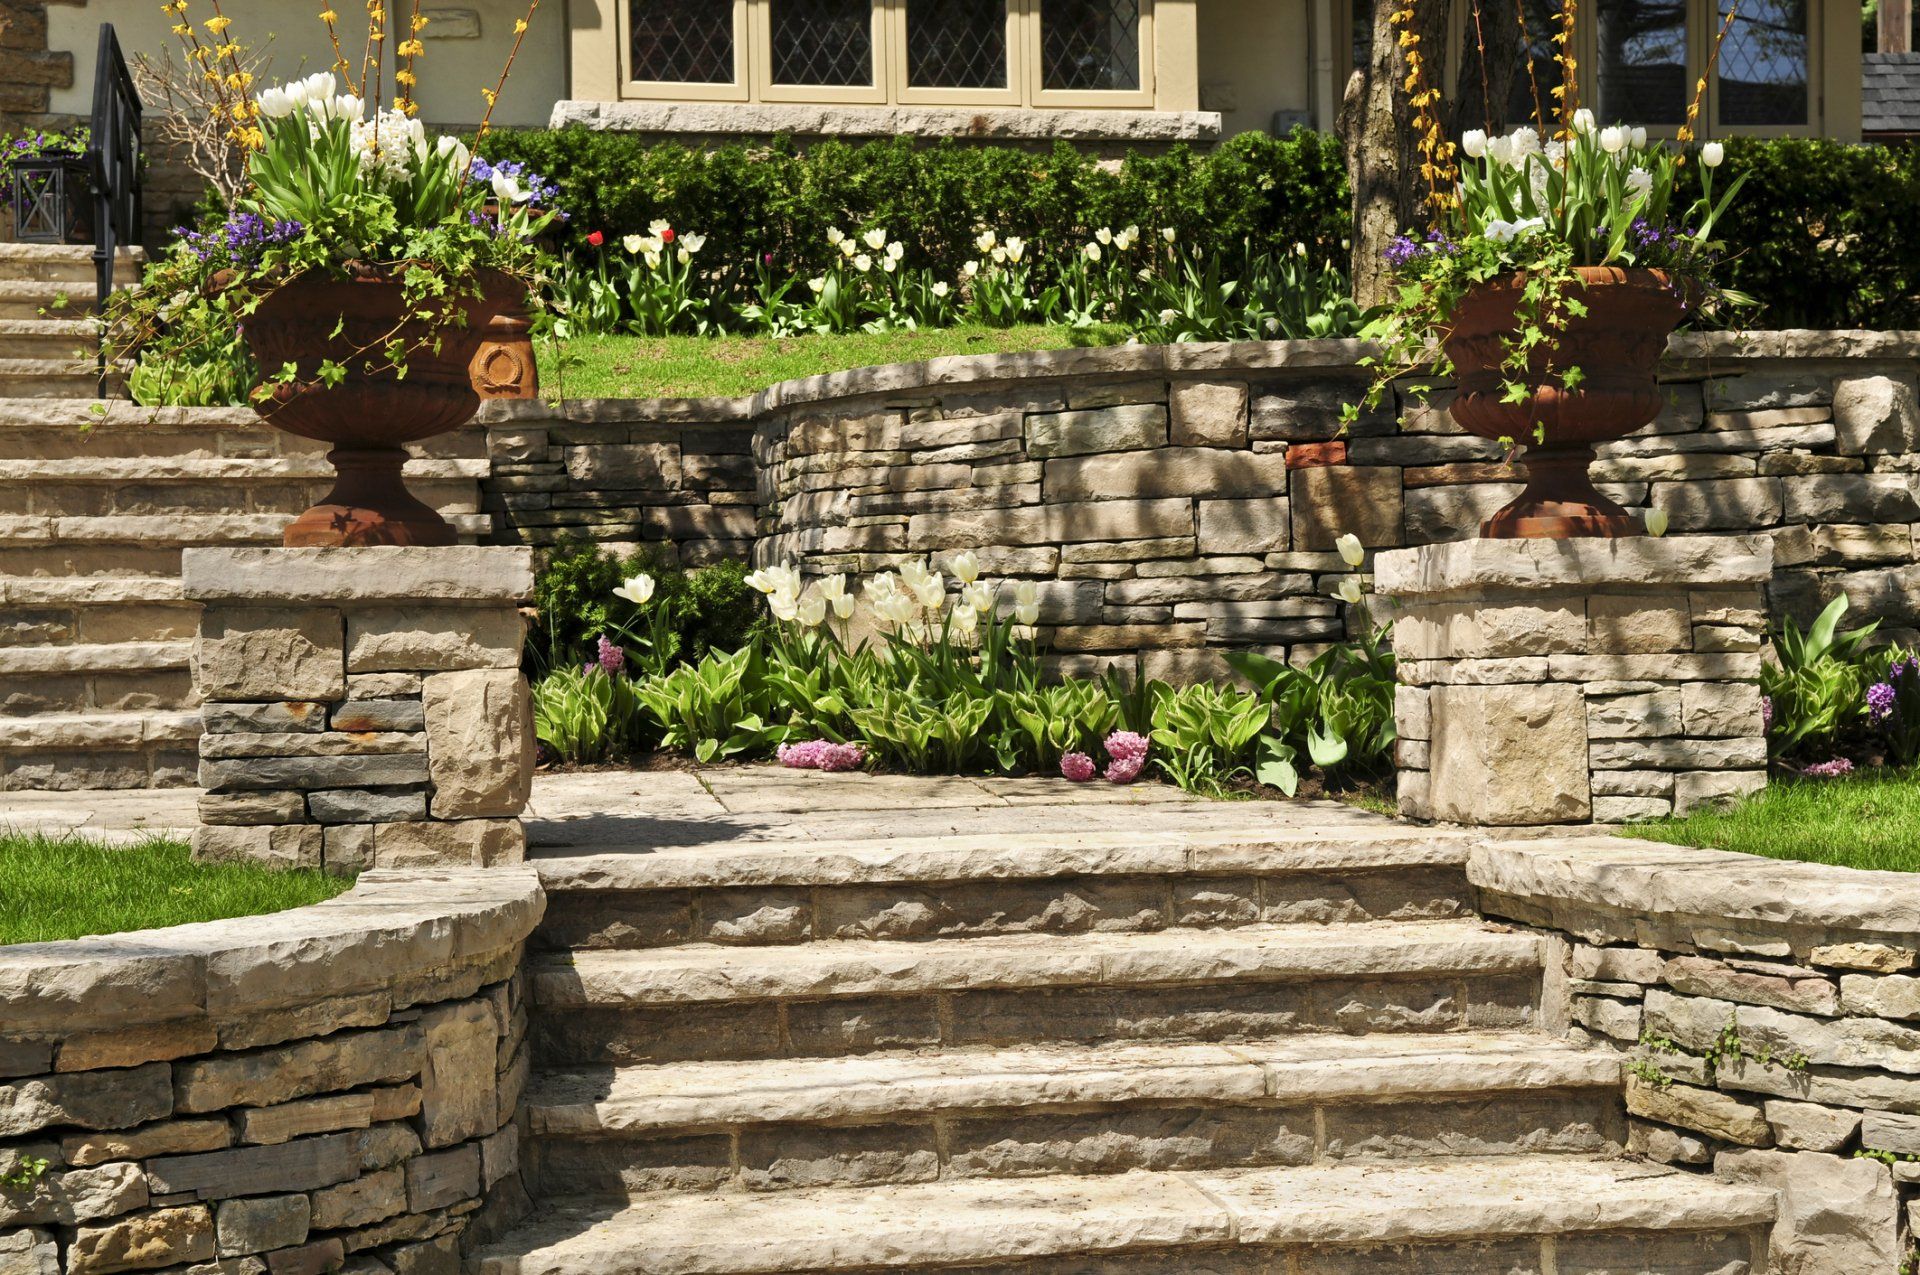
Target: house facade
{"points": [[1118, 71]]}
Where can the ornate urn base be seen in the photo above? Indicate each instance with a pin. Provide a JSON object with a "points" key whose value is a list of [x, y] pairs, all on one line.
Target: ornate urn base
{"points": [[1616, 345], [371, 413], [504, 366]]}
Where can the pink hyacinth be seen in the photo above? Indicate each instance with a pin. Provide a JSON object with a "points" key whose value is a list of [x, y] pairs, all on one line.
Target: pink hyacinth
{"points": [[822, 754], [612, 657], [1129, 753], [1830, 769], [1077, 766]]}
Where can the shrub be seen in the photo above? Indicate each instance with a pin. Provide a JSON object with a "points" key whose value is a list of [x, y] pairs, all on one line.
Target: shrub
{"points": [[708, 609]]}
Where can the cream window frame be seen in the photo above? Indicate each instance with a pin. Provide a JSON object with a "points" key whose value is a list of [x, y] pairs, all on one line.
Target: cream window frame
{"points": [[760, 19], [1141, 98], [909, 94], [695, 91]]}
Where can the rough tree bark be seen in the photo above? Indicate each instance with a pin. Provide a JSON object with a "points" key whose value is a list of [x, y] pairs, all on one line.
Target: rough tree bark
{"points": [[1376, 127]]}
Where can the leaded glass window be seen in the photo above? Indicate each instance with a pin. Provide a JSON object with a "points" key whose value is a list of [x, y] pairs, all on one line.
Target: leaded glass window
{"points": [[1643, 62], [1763, 64], [957, 44], [822, 43], [1090, 45], [681, 41]]}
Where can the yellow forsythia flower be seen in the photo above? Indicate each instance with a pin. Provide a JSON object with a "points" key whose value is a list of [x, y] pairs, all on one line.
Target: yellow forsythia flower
{"points": [[218, 23]]}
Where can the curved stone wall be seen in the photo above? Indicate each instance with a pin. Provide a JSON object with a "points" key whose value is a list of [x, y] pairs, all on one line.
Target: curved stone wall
{"points": [[294, 1092], [1182, 500], [1774, 1013]]}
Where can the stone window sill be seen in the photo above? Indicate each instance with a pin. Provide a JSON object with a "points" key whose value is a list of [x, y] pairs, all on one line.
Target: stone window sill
{"points": [[1004, 123]]}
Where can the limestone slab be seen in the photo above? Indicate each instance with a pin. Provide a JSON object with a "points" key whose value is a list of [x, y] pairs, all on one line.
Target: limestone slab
{"points": [[451, 573]]}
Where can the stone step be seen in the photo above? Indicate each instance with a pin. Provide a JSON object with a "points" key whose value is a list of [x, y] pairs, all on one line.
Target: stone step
{"points": [[134, 544], [103, 486], [68, 339], [65, 263], [62, 377], [849, 997], [1041, 1109], [116, 677], [73, 751], [1573, 1215], [71, 610], [1041, 881], [28, 299]]}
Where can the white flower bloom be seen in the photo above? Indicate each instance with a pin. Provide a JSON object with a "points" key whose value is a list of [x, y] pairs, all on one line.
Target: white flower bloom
{"points": [[842, 606], [1026, 614], [1350, 590], [637, 590], [1640, 184], [276, 103], [319, 87], [1016, 249], [1026, 594], [863, 263], [1104, 234], [965, 566], [1125, 240], [1713, 154], [1656, 522], [1144, 275], [456, 149], [1526, 141], [889, 264], [966, 622], [1583, 120], [785, 606], [1507, 231], [1168, 316], [1351, 551], [1474, 143], [652, 259], [833, 587], [1093, 251], [508, 189], [772, 580], [1272, 326], [1613, 139], [1299, 249], [999, 256], [941, 289], [928, 586], [1639, 139], [812, 610], [818, 283], [876, 238], [634, 243], [1556, 153], [835, 236], [979, 595], [1501, 149], [969, 270], [1169, 234], [848, 248], [659, 226], [896, 250], [691, 244], [985, 240]]}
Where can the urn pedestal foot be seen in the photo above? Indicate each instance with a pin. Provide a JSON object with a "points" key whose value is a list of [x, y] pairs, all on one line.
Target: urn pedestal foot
{"points": [[1560, 502], [369, 505]]}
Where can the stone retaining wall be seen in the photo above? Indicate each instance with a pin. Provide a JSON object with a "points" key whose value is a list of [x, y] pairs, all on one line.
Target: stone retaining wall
{"points": [[1773, 1013], [1181, 500], [328, 1089]]}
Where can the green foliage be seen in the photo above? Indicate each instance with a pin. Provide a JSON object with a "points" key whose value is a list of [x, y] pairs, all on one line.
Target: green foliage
{"points": [[780, 200], [584, 716], [1818, 681], [25, 1175], [1335, 712], [1869, 819], [707, 609]]}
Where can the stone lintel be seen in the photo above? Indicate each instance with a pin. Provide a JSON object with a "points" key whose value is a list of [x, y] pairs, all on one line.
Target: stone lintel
{"points": [[980, 123], [1465, 568], [383, 573]]}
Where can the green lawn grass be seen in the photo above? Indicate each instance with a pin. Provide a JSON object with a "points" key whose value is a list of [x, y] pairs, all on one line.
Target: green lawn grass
{"points": [[66, 887], [1867, 820], [702, 367]]}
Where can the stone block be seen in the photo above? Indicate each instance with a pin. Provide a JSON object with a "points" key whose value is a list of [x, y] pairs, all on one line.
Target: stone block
{"points": [[388, 715], [361, 1202], [286, 1121], [475, 843], [1640, 715], [1748, 983], [1435, 514], [346, 848], [260, 653], [29, 1252], [279, 718], [344, 1060], [1876, 415], [1879, 958], [366, 805], [311, 744], [480, 742], [258, 1225], [1724, 709], [1849, 498], [457, 1089], [1166, 471], [1509, 755], [1615, 964], [131, 1046], [1107, 429], [625, 467], [1412, 712], [1633, 624], [1080, 522], [433, 639], [164, 1237], [871, 432], [1334, 500], [1489, 630], [443, 1178], [166, 1138], [1694, 789], [1731, 504], [113, 1099], [1209, 413], [1837, 1216], [1808, 1126], [1313, 412], [320, 1257], [382, 686], [1891, 996], [245, 808], [302, 1165], [1630, 810], [1761, 391], [400, 574], [378, 770], [1668, 1146], [1706, 1111]]}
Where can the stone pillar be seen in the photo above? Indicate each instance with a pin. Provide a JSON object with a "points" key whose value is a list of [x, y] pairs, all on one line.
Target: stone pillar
{"points": [[1577, 681], [363, 707]]}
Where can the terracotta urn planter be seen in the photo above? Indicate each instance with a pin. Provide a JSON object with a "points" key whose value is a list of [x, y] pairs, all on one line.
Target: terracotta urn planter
{"points": [[504, 366], [372, 414], [1617, 346]]}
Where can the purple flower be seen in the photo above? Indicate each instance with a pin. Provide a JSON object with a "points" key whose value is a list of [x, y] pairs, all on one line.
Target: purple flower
{"points": [[1129, 752], [1881, 699], [1830, 769], [1766, 712], [821, 754], [613, 658], [1077, 766]]}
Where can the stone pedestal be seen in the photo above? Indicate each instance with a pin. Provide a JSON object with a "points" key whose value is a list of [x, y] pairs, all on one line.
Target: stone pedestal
{"points": [[363, 707], [1577, 681]]}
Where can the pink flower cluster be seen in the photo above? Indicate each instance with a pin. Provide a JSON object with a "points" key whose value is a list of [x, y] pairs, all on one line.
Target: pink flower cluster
{"points": [[1830, 769], [822, 754], [1128, 752]]}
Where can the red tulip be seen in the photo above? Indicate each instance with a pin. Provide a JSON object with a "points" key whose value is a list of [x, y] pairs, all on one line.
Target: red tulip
{"points": [[666, 236], [596, 239]]}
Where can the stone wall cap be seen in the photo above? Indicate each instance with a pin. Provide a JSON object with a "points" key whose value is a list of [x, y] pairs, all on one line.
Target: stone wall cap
{"points": [[1473, 566], [1647, 878], [449, 573], [391, 927], [1791, 343], [811, 120]]}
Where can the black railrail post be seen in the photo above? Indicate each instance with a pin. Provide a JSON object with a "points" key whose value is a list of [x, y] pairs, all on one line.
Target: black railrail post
{"points": [[113, 155]]}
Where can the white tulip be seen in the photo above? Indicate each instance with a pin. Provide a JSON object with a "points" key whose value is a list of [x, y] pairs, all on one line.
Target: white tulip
{"points": [[637, 590], [652, 259], [319, 86], [966, 623], [1350, 590], [1713, 154], [1583, 120], [965, 566], [1168, 316], [634, 243], [1027, 615], [969, 269], [457, 150], [1299, 250], [276, 103], [691, 244], [848, 248], [985, 240], [999, 256], [785, 606], [1613, 139], [896, 250], [876, 238], [812, 611], [833, 586], [1104, 234], [890, 264], [1640, 184], [835, 236], [1093, 251], [659, 226], [1016, 249], [863, 263], [1351, 551], [842, 606], [508, 190], [1474, 143], [978, 595], [1025, 594], [818, 284], [1169, 234], [941, 289], [1656, 522], [1639, 139]]}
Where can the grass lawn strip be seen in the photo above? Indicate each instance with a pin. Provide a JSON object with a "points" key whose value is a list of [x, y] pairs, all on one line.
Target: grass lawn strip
{"points": [[1866, 820]]}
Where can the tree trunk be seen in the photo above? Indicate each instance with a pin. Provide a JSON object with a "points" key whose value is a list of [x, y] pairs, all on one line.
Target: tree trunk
{"points": [[1494, 109], [1376, 126]]}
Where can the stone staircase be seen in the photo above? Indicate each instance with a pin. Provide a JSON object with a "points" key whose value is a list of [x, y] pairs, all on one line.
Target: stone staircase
{"points": [[1176, 1038], [97, 499]]}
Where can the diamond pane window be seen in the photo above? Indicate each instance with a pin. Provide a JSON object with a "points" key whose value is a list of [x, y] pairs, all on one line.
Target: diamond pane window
{"points": [[681, 41], [1763, 64], [957, 44], [1090, 45], [1643, 62], [827, 43]]}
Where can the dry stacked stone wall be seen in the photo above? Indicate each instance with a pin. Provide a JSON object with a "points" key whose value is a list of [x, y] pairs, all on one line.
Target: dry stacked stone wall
{"points": [[1772, 1011], [332, 1089], [1183, 500]]}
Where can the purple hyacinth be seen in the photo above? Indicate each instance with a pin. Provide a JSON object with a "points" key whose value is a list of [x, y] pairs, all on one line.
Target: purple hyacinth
{"points": [[1766, 712], [1830, 769], [823, 755], [1077, 767], [1881, 698], [612, 658], [1129, 753]]}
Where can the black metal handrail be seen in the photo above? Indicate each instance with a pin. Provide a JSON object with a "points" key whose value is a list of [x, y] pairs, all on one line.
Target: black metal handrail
{"points": [[113, 157]]}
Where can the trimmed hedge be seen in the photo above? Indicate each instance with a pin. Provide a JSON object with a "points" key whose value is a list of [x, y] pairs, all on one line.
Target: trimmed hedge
{"points": [[1827, 235]]}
